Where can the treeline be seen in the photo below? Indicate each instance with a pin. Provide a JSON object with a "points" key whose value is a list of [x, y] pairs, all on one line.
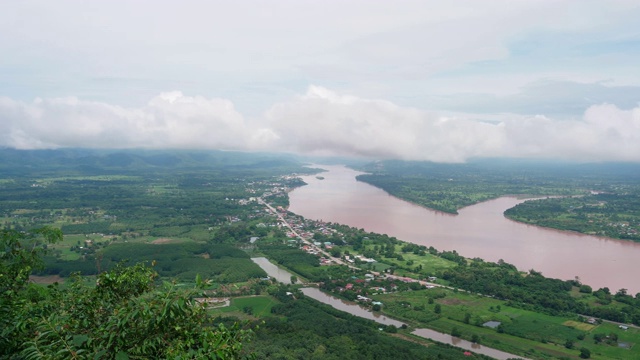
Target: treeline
{"points": [[538, 293], [98, 227]]}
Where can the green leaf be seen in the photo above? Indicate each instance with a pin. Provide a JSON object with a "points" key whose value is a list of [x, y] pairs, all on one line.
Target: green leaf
{"points": [[78, 340]]}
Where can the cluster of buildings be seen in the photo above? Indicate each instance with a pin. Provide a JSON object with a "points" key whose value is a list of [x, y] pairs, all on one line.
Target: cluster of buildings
{"points": [[626, 228]]}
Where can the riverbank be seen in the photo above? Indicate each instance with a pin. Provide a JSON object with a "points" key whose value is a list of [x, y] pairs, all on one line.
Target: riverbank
{"points": [[603, 215], [479, 231], [357, 310], [455, 305]]}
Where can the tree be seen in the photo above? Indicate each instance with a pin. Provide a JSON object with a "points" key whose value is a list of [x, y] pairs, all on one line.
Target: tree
{"points": [[20, 253], [126, 314], [599, 337], [456, 332], [294, 279], [391, 329], [585, 289], [437, 309], [585, 353]]}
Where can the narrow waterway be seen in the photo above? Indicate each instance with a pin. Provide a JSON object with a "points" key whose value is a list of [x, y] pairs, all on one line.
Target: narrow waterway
{"points": [[464, 344], [354, 309], [349, 306], [480, 231], [280, 274]]}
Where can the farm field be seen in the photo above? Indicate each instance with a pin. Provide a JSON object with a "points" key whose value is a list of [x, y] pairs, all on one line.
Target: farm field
{"points": [[538, 335]]}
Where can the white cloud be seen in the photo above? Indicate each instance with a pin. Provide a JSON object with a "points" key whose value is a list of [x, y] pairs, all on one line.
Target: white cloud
{"points": [[170, 120], [325, 122], [321, 121]]}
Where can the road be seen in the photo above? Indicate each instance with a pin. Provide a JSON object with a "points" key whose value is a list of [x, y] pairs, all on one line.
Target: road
{"points": [[307, 242], [459, 342]]}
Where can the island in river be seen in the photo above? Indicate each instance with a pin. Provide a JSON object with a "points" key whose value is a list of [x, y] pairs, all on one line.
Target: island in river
{"points": [[608, 203]]}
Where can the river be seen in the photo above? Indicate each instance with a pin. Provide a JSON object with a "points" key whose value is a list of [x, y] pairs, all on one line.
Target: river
{"points": [[479, 230]]}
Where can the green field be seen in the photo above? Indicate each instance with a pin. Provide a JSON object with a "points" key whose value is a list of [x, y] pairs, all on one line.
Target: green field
{"points": [[259, 305], [523, 332]]}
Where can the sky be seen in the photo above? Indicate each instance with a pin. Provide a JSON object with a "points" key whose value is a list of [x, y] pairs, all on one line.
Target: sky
{"points": [[442, 81]]}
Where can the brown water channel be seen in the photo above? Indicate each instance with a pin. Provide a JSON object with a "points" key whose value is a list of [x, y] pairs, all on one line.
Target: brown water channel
{"points": [[359, 311], [352, 308], [278, 273], [480, 231]]}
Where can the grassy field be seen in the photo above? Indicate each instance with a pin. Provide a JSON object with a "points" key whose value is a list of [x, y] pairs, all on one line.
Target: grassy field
{"points": [[69, 241], [260, 306], [541, 336], [427, 264], [430, 263]]}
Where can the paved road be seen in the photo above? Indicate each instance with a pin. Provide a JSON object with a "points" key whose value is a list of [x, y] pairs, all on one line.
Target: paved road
{"points": [[286, 223]]}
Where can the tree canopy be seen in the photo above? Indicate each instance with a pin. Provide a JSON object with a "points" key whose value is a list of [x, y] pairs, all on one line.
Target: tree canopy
{"points": [[126, 314]]}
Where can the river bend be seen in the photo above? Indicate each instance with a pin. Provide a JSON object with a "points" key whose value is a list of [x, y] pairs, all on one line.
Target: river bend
{"points": [[479, 230]]}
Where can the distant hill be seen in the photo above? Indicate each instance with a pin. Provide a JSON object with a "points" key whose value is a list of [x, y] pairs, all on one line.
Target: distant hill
{"points": [[16, 162]]}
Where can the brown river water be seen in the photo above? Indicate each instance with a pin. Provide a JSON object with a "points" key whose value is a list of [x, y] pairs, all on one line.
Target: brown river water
{"points": [[479, 230]]}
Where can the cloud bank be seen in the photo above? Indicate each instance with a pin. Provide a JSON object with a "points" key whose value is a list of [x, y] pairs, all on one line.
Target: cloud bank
{"points": [[169, 120], [321, 121]]}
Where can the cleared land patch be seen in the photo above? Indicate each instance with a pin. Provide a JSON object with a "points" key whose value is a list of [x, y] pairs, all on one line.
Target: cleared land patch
{"points": [[579, 325]]}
